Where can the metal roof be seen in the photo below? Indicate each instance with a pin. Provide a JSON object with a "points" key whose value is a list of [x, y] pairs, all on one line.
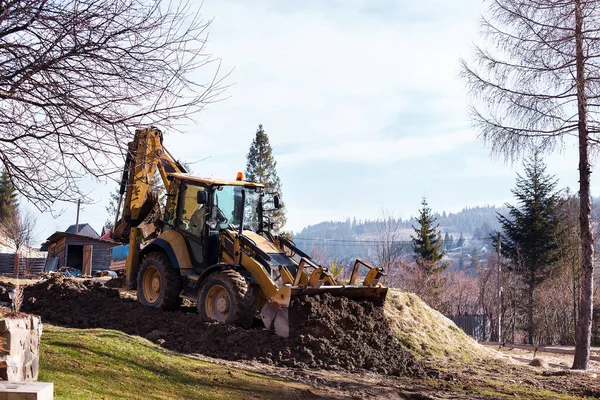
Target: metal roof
{"points": [[85, 229], [56, 236]]}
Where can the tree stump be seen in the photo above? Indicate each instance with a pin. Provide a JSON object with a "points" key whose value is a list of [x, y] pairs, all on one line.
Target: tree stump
{"points": [[19, 347]]}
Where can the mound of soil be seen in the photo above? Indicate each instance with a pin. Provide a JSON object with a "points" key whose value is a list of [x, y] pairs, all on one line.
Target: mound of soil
{"points": [[332, 333]]}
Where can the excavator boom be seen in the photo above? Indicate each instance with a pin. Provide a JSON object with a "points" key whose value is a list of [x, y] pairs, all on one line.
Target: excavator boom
{"points": [[145, 154]]}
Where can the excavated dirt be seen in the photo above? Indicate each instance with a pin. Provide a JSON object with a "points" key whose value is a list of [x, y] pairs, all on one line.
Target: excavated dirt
{"points": [[335, 333]]}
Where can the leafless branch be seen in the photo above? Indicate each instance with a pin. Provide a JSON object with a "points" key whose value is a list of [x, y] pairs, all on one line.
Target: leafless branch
{"points": [[76, 76]]}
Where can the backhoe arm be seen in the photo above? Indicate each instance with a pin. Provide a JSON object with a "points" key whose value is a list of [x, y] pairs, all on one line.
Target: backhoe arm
{"points": [[144, 155]]}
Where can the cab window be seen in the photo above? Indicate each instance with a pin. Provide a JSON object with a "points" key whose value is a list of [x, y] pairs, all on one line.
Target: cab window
{"points": [[193, 215]]}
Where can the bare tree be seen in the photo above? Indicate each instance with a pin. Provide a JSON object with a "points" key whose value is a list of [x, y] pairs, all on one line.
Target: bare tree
{"points": [[320, 256], [387, 245], [538, 82], [77, 75], [432, 288], [19, 229], [460, 296]]}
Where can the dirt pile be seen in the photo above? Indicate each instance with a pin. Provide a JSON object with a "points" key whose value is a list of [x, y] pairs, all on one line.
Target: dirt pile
{"points": [[427, 333], [337, 333]]}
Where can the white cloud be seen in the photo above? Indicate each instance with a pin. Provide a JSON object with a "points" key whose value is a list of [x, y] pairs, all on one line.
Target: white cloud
{"points": [[370, 82], [378, 151], [309, 73]]}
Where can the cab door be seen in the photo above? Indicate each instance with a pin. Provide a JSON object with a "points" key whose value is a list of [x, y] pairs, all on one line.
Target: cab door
{"points": [[191, 220]]}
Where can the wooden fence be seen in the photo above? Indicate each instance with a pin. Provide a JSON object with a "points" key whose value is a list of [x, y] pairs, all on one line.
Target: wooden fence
{"points": [[476, 326], [27, 266]]}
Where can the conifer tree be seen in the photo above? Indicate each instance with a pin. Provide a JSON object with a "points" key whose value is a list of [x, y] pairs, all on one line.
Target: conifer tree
{"points": [[532, 230], [461, 241], [475, 259], [427, 242], [260, 168], [8, 197]]}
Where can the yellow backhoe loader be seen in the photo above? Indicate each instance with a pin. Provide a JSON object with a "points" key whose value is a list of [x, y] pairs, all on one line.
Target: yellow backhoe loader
{"points": [[214, 245]]}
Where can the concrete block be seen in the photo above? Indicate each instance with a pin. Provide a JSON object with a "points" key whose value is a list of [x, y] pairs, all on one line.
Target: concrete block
{"points": [[26, 390]]}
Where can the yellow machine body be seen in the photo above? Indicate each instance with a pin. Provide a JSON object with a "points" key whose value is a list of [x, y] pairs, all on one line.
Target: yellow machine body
{"points": [[234, 273]]}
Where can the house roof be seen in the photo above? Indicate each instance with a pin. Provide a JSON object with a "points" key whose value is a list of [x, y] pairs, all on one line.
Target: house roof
{"points": [[84, 230], [56, 236]]}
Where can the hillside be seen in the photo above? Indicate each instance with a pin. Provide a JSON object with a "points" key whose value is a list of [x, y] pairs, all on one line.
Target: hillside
{"points": [[358, 238]]}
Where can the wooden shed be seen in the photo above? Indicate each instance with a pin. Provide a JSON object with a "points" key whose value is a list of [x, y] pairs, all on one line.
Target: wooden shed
{"points": [[87, 254]]}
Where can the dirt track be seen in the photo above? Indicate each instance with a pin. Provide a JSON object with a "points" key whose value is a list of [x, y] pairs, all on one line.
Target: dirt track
{"points": [[338, 333]]}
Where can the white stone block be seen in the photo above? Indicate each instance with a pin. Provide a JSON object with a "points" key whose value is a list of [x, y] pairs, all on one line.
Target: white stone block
{"points": [[19, 348], [26, 390]]}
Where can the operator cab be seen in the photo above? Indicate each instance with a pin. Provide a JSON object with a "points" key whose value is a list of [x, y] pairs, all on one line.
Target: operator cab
{"points": [[200, 208]]}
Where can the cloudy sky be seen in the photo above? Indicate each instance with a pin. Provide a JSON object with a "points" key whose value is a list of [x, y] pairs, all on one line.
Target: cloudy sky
{"points": [[362, 104]]}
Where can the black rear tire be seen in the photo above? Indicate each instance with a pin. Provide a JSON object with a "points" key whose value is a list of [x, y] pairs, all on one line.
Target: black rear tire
{"points": [[225, 296], [159, 283]]}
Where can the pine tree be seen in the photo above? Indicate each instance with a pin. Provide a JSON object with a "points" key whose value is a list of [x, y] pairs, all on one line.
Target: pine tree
{"points": [[475, 259], [461, 241], [531, 232], [427, 242], [8, 197], [260, 168]]}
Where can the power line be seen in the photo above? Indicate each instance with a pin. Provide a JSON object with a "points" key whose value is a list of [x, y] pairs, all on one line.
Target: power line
{"points": [[357, 241]]}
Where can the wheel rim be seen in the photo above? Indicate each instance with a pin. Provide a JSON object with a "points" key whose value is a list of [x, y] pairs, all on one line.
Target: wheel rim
{"points": [[151, 284], [218, 303]]}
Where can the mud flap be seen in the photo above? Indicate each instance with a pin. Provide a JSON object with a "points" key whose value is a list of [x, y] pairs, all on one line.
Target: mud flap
{"points": [[275, 317]]}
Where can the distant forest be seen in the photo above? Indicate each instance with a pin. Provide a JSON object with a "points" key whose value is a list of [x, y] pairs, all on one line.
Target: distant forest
{"points": [[468, 230], [357, 238]]}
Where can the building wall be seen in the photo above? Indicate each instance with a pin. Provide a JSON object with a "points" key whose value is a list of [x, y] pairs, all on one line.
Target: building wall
{"points": [[101, 254], [57, 249]]}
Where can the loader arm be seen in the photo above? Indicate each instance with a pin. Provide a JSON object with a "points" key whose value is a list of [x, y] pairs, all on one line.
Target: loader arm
{"points": [[145, 154]]}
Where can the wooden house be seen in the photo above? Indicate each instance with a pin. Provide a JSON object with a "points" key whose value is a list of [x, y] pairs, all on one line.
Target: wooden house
{"points": [[81, 251]]}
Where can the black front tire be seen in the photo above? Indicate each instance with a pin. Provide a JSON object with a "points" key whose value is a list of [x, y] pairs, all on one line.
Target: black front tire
{"points": [[159, 283], [225, 296]]}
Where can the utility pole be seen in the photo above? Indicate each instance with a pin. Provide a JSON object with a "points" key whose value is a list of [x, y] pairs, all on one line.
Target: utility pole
{"points": [[77, 220], [499, 308]]}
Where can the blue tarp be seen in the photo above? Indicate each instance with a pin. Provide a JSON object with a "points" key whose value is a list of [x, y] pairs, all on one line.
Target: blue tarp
{"points": [[119, 253]]}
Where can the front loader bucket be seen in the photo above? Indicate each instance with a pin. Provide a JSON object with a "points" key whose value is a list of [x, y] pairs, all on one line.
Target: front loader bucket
{"points": [[275, 313], [276, 316], [375, 294]]}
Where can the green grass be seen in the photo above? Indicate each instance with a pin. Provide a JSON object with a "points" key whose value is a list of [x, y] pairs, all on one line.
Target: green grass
{"points": [[99, 363]]}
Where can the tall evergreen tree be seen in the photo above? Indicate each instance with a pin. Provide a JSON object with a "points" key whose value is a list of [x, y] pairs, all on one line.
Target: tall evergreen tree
{"points": [[8, 197], [531, 231], [475, 259], [260, 168], [461, 241], [427, 242]]}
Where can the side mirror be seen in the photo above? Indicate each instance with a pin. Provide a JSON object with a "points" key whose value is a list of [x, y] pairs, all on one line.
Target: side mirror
{"points": [[276, 202], [201, 197]]}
